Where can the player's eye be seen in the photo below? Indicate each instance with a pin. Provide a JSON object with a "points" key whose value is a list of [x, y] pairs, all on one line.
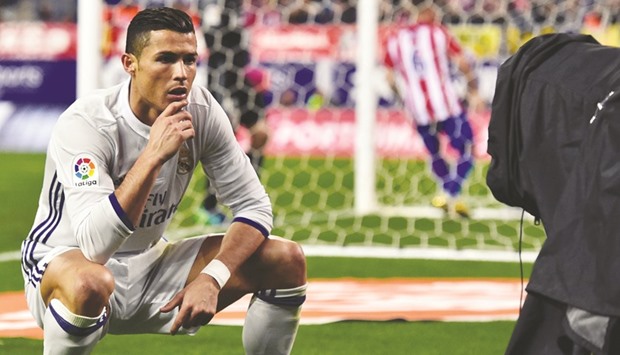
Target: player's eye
{"points": [[189, 60], [167, 58]]}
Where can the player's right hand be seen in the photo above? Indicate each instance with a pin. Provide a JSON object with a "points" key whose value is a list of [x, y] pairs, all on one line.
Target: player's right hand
{"points": [[171, 128], [197, 303]]}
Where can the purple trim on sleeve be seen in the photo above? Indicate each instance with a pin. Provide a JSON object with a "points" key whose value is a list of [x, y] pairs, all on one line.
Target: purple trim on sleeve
{"points": [[120, 213], [250, 222]]}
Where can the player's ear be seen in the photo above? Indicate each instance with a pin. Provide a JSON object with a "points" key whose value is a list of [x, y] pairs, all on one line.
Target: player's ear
{"points": [[129, 63]]}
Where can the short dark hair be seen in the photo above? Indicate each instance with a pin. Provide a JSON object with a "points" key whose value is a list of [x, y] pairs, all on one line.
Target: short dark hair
{"points": [[155, 19]]}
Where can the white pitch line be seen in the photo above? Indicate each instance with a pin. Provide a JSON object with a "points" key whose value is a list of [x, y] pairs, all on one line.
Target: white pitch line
{"points": [[10, 256]]}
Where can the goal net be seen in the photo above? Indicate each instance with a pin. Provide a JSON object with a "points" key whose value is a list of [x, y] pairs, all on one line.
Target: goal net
{"points": [[346, 170]]}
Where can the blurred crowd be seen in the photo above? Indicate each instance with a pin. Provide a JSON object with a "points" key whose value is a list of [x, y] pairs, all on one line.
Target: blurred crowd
{"points": [[524, 13], [562, 15], [225, 25], [38, 10]]}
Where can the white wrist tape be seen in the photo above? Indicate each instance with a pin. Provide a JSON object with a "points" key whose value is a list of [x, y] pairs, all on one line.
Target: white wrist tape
{"points": [[218, 271]]}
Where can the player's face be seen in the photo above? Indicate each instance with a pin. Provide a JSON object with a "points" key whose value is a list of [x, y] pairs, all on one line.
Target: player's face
{"points": [[163, 73]]}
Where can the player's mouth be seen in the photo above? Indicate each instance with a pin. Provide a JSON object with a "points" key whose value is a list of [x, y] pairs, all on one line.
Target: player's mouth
{"points": [[178, 93]]}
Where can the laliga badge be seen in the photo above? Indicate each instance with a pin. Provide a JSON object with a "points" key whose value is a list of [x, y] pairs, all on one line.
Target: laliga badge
{"points": [[85, 171]]}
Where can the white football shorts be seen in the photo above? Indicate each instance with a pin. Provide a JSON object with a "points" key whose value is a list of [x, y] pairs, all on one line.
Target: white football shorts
{"points": [[144, 283]]}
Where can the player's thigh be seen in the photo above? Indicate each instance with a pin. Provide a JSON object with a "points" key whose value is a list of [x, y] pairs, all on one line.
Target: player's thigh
{"points": [[278, 263]]}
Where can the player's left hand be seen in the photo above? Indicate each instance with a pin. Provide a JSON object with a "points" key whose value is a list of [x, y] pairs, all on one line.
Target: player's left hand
{"points": [[197, 302]]}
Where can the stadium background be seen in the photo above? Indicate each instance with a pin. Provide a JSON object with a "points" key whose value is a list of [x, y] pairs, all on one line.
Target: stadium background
{"points": [[301, 56]]}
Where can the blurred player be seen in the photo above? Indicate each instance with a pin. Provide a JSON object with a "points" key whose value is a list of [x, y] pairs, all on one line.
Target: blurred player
{"points": [[418, 58], [118, 164]]}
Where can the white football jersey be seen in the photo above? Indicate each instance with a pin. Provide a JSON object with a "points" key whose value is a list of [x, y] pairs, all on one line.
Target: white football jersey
{"points": [[420, 54], [94, 144]]}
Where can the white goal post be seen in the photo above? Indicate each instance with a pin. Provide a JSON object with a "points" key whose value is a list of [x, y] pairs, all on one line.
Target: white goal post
{"points": [[366, 107], [90, 34]]}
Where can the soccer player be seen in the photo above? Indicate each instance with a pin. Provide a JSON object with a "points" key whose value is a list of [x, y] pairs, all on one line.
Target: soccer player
{"points": [[418, 58], [118, 163]]}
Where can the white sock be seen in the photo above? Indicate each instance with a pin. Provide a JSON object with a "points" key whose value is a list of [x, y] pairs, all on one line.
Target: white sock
{"points": [[272, 320], [68, 333]]}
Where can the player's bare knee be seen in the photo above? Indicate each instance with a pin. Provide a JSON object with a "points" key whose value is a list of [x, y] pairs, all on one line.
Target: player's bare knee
{"points": [[91, 290], [298, 260], [292, 261]]}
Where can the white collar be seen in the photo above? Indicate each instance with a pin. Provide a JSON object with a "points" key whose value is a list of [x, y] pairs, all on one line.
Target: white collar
{"points": [[138, 126]]}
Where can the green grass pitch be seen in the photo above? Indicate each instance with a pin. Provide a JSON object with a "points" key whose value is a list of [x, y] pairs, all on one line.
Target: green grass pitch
{"points": [[20, 183]]}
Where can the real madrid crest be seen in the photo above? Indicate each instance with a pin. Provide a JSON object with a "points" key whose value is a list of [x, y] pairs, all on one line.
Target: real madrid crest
{"points": [[184, 165]]}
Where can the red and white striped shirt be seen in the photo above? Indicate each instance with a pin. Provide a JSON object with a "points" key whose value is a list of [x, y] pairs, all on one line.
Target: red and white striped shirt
{"points": [[420, 55]]}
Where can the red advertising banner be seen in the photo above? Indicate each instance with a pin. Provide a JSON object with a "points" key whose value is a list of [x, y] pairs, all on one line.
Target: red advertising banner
{"points": [[331, 132], [298, 42], [308, 42], [40, 41]]}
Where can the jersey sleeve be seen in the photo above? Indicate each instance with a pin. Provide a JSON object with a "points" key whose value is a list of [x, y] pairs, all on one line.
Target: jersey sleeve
{"points": [[81, 155], [389, 50], [231, 174], [454, 47]]}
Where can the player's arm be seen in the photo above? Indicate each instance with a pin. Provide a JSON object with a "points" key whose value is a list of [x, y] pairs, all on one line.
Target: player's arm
{"points": [[231, 174], [82, 154], [197, 302], [170, 130], [465, 65], [391, 79], [103, 217], [239, 188], [390, 57]]}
